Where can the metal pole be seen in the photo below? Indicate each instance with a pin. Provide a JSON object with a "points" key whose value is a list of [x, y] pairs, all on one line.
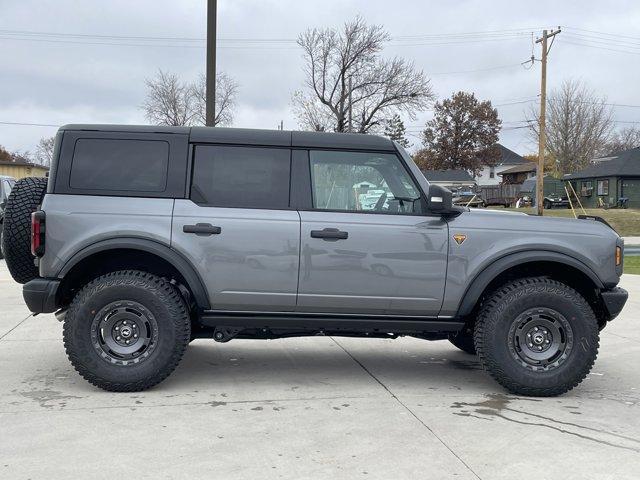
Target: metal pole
{"points": [[212, 8]]}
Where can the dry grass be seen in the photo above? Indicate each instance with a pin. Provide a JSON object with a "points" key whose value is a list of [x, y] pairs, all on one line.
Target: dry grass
{"points": [[625, 222], [632, 264]]}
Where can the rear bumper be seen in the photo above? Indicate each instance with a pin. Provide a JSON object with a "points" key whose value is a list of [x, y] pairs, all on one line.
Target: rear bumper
{"points": [[614, 300], [40, 295]]}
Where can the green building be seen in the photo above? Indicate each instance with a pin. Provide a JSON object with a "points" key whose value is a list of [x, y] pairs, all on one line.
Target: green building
{"points": [[608, 179]]}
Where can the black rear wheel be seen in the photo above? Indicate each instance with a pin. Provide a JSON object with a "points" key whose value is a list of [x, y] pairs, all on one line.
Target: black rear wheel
{"points": [[1, 241], [25, 198], [537, 337], [126, 331]]}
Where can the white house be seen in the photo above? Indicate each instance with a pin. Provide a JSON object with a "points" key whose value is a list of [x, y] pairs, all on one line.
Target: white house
{"points": [[454, 180], [508, 158]]}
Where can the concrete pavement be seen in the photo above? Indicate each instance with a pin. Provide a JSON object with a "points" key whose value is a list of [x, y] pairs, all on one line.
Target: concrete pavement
{"points": [[312, 408]]}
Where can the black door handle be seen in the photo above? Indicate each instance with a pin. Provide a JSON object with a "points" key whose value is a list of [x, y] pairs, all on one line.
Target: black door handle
{"points": [[329, 234], [202, 229]]}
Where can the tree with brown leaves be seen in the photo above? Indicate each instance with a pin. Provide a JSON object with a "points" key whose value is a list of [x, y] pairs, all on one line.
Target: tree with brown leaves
{"points": [[461, 136]]}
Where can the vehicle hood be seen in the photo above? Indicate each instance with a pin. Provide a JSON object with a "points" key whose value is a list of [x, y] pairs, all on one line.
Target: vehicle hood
{"points": [[504, 220]]}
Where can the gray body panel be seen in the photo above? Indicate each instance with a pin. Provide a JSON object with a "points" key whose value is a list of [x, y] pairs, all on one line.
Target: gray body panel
{"points": [[492, 235], [78, 221], [266, 260], [389, 264], [252, 264]]}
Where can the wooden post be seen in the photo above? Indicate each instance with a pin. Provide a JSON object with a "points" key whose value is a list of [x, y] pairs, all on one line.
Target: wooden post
{"points": [[212, 7], [542, 136]]}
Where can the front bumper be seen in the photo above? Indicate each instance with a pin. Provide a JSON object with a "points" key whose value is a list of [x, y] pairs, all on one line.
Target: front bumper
{"points": [[40, 295], [614, 300]]}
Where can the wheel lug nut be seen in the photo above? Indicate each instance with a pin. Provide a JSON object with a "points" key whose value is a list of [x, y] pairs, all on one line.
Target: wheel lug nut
{"points": [[117, 328], [118, 338], [136, 336], [127, 342]]}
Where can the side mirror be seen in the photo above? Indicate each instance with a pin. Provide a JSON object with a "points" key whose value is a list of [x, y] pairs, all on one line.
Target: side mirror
{"points": [[439, 199]]}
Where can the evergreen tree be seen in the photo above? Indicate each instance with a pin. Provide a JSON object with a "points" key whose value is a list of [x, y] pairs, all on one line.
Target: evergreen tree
{"points": [[394, 129]]}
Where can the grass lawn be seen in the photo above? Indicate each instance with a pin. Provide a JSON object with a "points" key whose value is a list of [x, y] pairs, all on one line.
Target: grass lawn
{"points": [[625, 222], [632, 264]]}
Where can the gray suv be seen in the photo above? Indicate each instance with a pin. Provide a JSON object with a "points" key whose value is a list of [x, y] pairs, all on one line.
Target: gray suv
{"points": [[146, 238]]}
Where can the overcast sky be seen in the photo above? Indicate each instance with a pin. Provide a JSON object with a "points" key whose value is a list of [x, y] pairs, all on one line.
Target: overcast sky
{"points": [[97, 76]]}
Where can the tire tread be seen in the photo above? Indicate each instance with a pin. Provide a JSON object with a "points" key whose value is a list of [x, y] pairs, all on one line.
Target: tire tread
{"points": [[489, 316], [162, 289]]}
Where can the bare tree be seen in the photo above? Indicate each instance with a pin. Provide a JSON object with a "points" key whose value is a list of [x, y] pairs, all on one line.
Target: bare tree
{"points": [[624, 139], [44, 151], [578, 125], [347, 79], [226, 91], [170, 101]]}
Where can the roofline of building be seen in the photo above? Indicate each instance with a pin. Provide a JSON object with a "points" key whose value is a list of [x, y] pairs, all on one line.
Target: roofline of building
{"points": [[22, 164]]}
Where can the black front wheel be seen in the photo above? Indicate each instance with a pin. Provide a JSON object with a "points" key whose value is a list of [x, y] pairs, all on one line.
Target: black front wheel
{"points": [[126, 331], [537, 337]]}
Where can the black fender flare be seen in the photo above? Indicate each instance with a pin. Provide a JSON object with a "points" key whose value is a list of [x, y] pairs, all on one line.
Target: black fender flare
{"points": [[179, 262], [486, 276]]}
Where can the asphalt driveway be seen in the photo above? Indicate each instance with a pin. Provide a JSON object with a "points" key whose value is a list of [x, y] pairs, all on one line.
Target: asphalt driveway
{"points": [[319, 408]]}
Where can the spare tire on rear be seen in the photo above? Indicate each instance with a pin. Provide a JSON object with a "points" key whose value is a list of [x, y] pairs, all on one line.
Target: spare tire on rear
{"points": [[25, 198]]}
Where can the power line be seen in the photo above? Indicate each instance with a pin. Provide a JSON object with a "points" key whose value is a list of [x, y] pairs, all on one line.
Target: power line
{"points": [[24, 124], [607, 34], [569, 42], [239, 42], [497, 67]]}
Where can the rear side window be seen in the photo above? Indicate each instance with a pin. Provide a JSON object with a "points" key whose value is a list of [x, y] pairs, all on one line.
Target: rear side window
{"points": [[124, 165], [246, 177]]}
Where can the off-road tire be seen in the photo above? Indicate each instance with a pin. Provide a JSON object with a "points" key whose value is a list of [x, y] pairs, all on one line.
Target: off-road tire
{"points": [[163, 302], [499, 313], [464, 341], [25, 198]]}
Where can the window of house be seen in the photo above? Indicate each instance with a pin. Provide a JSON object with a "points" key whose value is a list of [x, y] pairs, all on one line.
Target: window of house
{"points": [[586, 188], [245, 177], [362, 182], [603, 187], [492, 172]]}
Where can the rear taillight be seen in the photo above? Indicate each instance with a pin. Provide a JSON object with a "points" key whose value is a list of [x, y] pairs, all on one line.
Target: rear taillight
{"points": [[37, 233], [618, 256]]}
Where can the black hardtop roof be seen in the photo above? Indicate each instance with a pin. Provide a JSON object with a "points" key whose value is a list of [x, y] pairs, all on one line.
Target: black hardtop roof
{"points": [[249, 136]]}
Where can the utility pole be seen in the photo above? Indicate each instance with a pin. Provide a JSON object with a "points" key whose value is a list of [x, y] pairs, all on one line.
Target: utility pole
{"points": [[542, 136], [350, 108], [212, 8]]}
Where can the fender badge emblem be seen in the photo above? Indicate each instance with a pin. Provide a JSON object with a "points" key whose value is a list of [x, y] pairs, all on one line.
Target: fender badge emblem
{"points": [[459, 238]]}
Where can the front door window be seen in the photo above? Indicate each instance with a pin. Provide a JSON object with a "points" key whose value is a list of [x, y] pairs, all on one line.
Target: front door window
{"points": [[362, 182]]}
